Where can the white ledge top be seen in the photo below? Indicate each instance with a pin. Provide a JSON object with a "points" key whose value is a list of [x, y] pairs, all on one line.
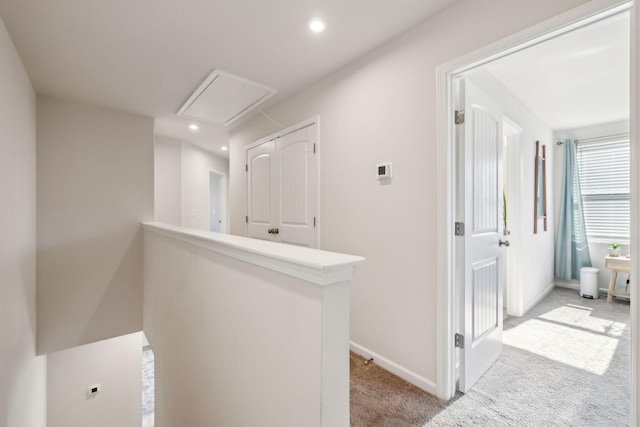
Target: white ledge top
{"points": [[312, 265]]}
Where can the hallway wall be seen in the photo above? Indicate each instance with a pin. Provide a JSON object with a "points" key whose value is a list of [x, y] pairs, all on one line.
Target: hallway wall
{"points": [[382, 108], [115, 364], [196, 164], [167, 183], [181, 185], [22, 374], [94, 188]]}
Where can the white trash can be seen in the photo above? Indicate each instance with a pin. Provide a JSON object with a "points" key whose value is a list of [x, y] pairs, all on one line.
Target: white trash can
{"points": [[589, 282]]}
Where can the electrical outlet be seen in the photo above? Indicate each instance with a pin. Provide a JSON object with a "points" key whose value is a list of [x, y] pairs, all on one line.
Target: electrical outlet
{"points": [[384, 171], [94, 389]]}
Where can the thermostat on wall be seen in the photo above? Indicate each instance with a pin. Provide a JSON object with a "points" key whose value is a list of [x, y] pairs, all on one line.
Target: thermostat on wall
{"points": [[384, 170]]}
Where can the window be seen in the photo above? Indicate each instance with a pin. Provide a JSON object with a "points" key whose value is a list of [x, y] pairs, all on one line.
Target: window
{"points": [[604, 177]]}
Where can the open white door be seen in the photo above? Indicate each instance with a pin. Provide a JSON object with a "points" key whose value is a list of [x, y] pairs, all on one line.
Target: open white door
{"points": [[480, 142]]}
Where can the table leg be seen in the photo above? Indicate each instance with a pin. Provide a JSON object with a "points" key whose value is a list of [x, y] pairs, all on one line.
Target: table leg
{"points": [[612, 285]]}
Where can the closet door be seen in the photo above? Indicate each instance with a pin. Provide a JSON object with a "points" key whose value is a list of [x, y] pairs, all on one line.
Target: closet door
{"points": [[282, 188], [297, 189], [261, 181]]}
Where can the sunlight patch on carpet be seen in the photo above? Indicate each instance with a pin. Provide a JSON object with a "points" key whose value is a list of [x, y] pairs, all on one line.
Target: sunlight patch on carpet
{"points": [[583, 318], [571, 346]]}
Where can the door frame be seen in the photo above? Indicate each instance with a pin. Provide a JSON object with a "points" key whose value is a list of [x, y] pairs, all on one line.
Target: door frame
{"points": [[446, 266], [513, 256]]}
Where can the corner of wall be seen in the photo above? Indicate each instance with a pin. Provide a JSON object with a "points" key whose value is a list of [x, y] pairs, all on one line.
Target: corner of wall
{"points": [[22, 373], [94, 189]]}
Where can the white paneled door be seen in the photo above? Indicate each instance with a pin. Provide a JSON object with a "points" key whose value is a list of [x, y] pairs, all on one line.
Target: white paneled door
{"points": [[480, 137], [282, 188], [260, 187]]}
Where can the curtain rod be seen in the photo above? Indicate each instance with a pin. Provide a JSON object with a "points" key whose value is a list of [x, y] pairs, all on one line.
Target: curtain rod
{"points": [[598, 138]]}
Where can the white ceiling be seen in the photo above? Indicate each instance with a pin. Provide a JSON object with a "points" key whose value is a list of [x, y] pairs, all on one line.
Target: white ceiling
{"points": [[148, 56], [576, 80]]}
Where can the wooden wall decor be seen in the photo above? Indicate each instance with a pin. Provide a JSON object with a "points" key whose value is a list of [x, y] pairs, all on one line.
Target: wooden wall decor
{"points": [[540, 189]]}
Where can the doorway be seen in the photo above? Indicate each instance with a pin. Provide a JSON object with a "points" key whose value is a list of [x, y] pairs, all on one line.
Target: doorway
{"points": [[217, 202], [447, 268]]}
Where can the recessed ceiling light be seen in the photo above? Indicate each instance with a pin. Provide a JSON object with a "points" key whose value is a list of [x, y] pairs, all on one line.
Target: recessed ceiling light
{"points": [[224, 148], [316, 25], [193, 126]]}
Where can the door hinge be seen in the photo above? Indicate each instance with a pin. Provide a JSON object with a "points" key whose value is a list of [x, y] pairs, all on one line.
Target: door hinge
{"points": [[314, 221], [459, 339], [246, 219], [459, 230], [246, 167], [459, 117], [314, 148]]}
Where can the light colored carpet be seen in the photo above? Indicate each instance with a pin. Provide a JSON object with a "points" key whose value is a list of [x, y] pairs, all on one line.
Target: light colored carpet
{"points": [[566, 363], [148, 387]]}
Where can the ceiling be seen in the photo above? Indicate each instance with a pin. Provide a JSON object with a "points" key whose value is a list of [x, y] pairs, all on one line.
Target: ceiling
{"points": [[148, 56], [575, 80]]}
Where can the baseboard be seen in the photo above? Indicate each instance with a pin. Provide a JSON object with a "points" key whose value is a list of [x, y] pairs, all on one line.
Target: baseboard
{"points": [[404, 373], [540, 297], [568, 285], [576, 287]]}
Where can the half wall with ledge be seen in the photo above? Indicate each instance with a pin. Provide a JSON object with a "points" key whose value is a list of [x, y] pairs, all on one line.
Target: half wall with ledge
{"points": [[246, 332]]}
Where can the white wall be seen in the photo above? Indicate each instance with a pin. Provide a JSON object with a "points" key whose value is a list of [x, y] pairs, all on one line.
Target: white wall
{"points": [[167, 182], [383, 108], [22, 374], [182, 182], [532, 254], [94, 188], [115, 364], [598, 249]]}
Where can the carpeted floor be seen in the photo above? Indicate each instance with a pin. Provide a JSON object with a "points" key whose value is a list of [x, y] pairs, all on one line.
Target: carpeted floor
{"points": [[566, 363], [148, 387]]}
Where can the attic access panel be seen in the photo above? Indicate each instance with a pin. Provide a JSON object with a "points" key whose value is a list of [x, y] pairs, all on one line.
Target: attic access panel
{"points": [[223, 98]]}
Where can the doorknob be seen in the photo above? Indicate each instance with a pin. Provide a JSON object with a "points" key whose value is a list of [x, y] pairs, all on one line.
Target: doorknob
{"points": [[273, 231], [504, 243]]}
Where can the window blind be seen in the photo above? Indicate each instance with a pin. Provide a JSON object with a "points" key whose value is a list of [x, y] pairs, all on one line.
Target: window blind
{"points": [[604, 178]]}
